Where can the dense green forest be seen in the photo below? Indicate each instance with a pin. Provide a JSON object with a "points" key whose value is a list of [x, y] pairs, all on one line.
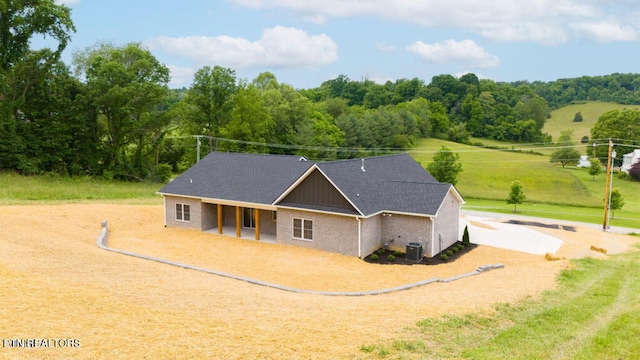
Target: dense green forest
{"points": [[111, 113]]}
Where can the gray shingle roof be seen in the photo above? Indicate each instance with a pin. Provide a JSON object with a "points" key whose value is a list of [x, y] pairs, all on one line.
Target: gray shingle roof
{"points": [[253, 178], [388, 183]]}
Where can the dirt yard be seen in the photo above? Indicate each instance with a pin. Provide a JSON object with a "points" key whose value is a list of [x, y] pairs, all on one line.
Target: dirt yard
{"points": [[57, 284]]}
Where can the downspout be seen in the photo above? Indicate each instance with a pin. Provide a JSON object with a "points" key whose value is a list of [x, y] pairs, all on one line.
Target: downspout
{"points": [[359, 238], [433, 238], [164, 209]]}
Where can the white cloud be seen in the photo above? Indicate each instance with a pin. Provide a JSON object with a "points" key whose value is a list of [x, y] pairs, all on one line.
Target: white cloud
{"points": [[465, 53], [385, 47], [180, 76], [606, 31], [539, 21], [278, 47]]}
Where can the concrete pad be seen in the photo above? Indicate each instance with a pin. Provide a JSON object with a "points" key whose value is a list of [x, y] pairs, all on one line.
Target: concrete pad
{"points": [[485, 231]]}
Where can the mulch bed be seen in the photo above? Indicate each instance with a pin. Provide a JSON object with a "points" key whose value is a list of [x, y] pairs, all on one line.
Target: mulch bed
{"points": [[401, 260]]}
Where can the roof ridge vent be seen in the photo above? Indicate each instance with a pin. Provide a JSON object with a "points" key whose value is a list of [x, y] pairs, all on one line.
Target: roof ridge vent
{"points": [[362, 166], [302, 158]]}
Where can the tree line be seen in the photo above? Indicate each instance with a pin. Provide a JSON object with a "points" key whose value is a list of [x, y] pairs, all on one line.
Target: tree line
{"points": [[111, 113]]}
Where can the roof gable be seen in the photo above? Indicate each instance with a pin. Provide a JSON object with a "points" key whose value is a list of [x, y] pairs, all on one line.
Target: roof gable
{"points": [[316, 191]]}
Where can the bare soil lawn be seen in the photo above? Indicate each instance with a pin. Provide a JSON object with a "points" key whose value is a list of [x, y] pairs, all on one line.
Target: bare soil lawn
{"points": [[56, 283]]}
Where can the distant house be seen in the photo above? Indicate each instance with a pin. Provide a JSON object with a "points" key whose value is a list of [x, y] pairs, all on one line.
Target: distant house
{"points": [[629, 159], [584, 161], [351, 207]]}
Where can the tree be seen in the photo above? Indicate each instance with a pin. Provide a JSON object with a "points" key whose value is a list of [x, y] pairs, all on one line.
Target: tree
{"points": [[465, 236], [126, 85], [445, 166], [577, 117], [516, 195], [250, 122], [211, 96], [595, 168], [617, 201], [565, 156], [20, 20], [616, 124]]}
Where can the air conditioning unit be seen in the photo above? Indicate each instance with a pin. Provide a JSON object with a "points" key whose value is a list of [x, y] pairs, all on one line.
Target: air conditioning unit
{"points": [[414, 252]]}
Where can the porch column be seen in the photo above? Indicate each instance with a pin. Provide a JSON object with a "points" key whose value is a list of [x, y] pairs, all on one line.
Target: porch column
{"points": [[238, 221], [220, 219], [257, 218]]}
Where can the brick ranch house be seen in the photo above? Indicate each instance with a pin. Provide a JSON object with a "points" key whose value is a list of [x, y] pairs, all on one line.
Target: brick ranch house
{"points": [[351, 207]]}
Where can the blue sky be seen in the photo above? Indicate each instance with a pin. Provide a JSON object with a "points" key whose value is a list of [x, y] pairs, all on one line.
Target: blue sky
{"points": [[306, 42]]}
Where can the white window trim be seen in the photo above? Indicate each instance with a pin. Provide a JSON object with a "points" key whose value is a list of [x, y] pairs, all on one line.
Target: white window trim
{"points": [[303, 238], [182, 212]]}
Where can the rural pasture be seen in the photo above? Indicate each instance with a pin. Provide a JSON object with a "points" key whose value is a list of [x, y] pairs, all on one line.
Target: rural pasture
{"points": [[58, 284]]}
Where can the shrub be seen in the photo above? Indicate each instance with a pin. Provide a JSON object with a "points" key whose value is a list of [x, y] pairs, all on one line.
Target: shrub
{"points": [[391, 258], [449, 253], [374, 257], [444, 257], [465, 236], [381, 251], [578, 117], [398, 253], [454, 249]]}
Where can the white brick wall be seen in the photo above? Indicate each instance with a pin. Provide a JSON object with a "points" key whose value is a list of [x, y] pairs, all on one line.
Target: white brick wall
{"points": [[195, 209], [446, 224], [333, 233], [404, 229]]}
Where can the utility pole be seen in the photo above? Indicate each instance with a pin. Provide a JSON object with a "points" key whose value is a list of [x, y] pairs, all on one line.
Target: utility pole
{"points": [[198, 140], [607, 189]]}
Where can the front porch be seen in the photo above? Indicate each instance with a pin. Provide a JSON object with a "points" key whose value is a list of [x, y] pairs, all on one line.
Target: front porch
{"points": [[240, 221], [246, 234]]}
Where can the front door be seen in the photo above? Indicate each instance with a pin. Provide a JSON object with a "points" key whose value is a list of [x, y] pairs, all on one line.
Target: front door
{"points": [[248, 218]]}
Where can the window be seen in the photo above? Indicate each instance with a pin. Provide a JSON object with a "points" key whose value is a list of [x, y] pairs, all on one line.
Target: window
{"points": [[183, 212], [302, 229]]}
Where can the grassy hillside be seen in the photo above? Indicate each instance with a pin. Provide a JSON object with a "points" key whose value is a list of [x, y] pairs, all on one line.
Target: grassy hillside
{"points": [[554, 192], [16, 189], [562, 119]]}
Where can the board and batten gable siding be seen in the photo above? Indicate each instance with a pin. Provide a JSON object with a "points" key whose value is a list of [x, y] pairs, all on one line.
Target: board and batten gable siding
{"points": [[332, 233], [316, 190], [195, 212], [446, 224], [405, 229]]}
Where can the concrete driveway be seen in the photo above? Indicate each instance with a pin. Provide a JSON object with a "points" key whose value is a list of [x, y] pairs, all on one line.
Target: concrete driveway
{"points": [[492, 232]]}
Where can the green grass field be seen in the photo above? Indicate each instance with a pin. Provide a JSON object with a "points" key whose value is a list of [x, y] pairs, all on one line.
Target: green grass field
{"points": [[594, 314], [552, 192], [562, 119], [16, 189]]}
